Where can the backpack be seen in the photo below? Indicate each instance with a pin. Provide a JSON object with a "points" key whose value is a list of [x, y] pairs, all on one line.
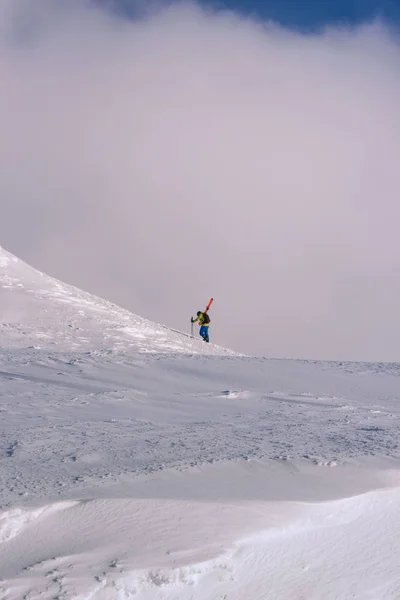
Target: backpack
{"points": [[206, 318]]}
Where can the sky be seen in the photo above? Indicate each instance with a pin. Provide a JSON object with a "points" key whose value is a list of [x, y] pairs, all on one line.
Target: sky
{"points": [[303, 15], [158, 155]]}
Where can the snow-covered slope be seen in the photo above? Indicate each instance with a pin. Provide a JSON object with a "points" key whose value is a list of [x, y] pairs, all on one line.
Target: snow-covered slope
{"points": [[136, 462], [38, 310]]}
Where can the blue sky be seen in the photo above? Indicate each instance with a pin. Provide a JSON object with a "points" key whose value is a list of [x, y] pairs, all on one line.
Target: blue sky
{"points": [[303, 14], [316, 13]]}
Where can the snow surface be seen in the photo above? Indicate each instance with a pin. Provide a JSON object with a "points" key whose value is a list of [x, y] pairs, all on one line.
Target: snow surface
{"points": [[137, 462]]}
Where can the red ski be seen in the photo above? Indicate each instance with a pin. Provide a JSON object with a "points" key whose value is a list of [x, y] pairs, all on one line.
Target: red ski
{"points": [[209, 305]]}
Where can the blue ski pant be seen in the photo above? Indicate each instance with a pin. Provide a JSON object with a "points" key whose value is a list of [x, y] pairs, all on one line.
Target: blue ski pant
{"points": [[204, 332]]}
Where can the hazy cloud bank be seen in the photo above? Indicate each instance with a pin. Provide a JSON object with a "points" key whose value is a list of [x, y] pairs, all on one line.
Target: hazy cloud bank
{"points": [[190, 153]]}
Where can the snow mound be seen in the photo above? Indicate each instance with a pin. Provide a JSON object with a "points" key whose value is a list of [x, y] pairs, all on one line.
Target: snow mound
{"points": [[122, 548], [40, 311]]}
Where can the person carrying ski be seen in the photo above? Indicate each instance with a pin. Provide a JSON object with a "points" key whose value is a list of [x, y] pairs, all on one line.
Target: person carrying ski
{"points": [[204, 322]]}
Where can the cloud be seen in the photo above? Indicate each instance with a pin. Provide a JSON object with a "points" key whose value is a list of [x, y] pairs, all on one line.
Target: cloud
{"points": [[193, 153]]}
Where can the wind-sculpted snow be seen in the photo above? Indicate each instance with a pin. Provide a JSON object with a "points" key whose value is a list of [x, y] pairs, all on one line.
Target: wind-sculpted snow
{"points": [[74, 420], [136, 462], [189, 550]]}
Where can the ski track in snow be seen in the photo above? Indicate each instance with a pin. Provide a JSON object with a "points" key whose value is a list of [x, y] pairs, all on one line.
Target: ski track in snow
{"points": [[114, 426]]}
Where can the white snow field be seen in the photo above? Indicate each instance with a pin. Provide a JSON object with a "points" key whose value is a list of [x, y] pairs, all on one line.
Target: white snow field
{"points": [[139, 463]]}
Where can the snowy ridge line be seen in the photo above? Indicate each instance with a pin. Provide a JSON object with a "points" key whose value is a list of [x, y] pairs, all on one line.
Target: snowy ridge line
{"points": [[349, 366], [360, 367]]}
